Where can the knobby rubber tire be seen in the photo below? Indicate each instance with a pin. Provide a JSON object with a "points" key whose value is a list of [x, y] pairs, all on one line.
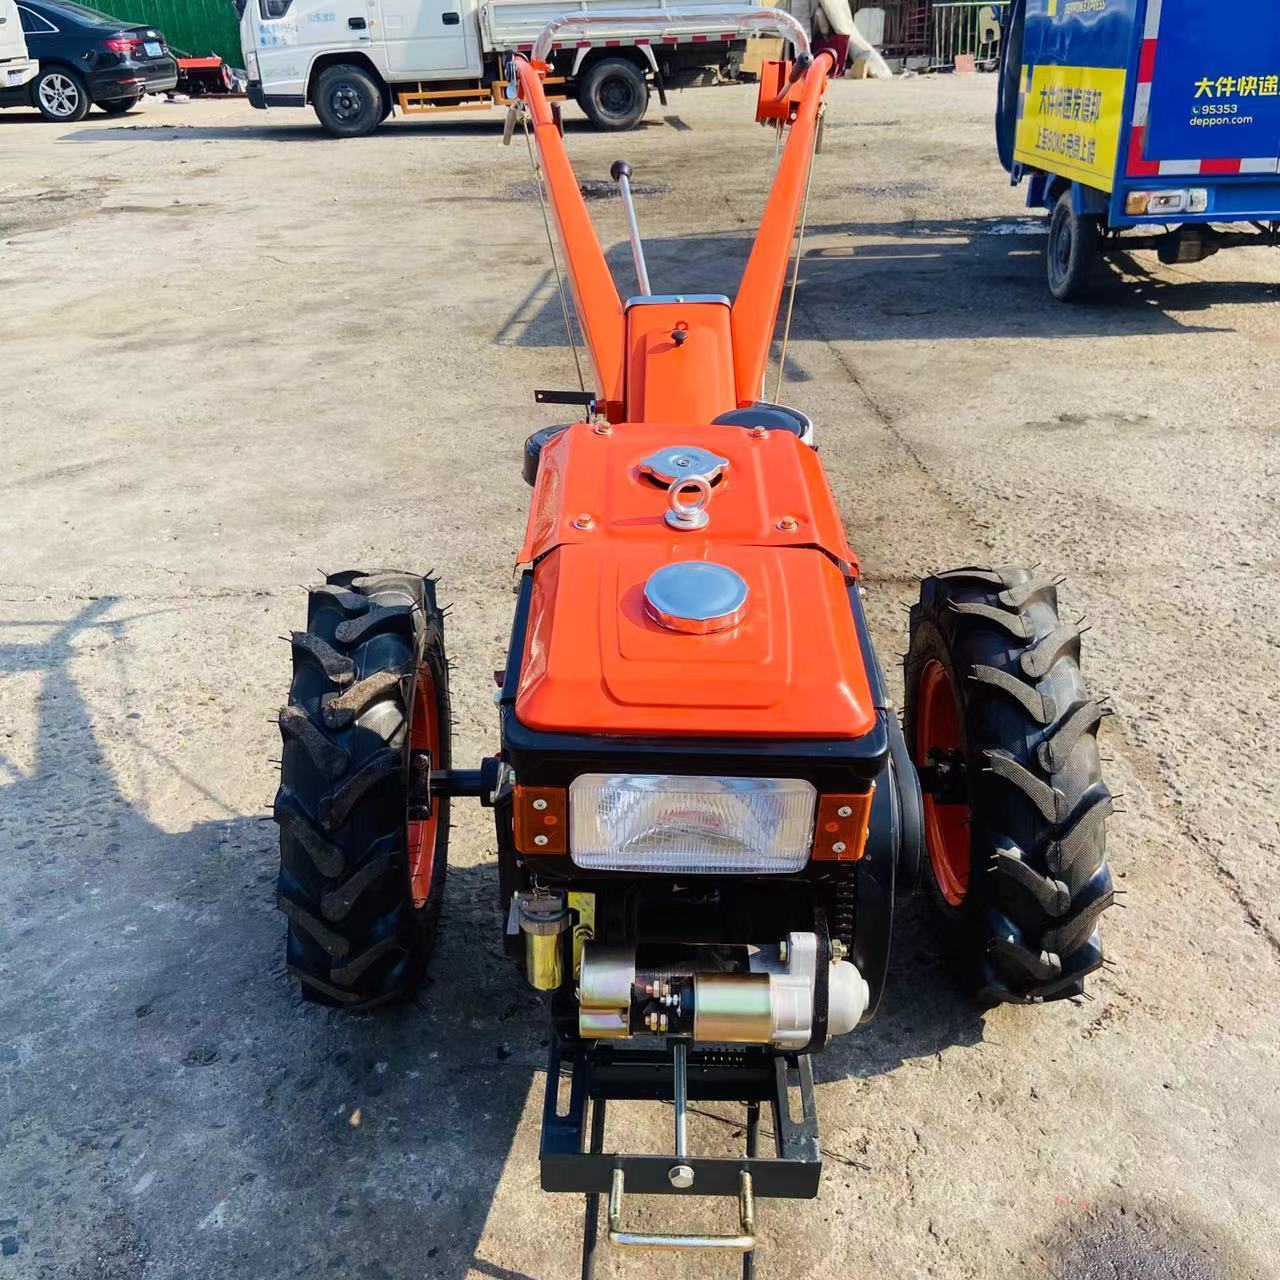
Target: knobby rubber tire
{"points": [[355, 937], [1026, 929]]}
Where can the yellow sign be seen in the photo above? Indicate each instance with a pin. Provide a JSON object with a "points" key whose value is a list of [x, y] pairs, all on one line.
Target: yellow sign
{"points": [[1070, 123]]}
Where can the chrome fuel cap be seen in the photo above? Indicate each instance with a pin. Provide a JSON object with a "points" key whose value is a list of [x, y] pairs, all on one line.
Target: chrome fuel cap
{"points": [[683, 462], [696, 597]]}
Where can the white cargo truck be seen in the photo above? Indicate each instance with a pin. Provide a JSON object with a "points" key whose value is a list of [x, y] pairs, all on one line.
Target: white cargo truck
{"points": [[355, 61], [16, 67]]}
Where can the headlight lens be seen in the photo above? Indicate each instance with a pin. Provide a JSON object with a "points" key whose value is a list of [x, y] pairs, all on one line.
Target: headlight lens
{"points": [[701, 826]]}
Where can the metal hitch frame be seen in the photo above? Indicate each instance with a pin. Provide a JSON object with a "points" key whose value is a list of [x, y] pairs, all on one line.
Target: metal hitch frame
{"points": [[573, 1159]]}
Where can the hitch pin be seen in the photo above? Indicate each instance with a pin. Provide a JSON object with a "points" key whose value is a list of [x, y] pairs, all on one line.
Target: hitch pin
{"points": [[620, 172]]}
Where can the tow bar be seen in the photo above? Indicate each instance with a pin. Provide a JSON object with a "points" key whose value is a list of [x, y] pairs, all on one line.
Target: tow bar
{"points": [[573, 1155]]}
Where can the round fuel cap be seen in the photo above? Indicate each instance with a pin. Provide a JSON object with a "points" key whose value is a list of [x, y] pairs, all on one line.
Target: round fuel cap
{"points": [[696, 597]]}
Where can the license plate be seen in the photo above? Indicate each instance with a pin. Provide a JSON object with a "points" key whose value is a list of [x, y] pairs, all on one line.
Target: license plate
{"points": [[152, 49]]}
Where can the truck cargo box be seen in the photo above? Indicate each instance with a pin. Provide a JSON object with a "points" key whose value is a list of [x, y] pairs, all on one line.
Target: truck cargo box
{"points": [[1146, 112]]}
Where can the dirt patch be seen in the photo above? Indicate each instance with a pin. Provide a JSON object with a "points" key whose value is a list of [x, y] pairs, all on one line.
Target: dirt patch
{"points": [[1115, 1242], [593, 189], [43, 208]]}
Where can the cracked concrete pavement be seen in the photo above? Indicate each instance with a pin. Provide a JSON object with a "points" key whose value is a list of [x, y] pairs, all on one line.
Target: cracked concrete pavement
{"points": [[234, 351]]}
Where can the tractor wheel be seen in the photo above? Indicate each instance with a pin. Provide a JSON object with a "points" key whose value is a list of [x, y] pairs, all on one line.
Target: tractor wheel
{"points": [[362, 860], [1004, 734]]}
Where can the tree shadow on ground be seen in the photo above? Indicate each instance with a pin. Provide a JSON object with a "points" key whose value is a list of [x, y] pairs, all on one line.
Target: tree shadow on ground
{"points": [[300, 127], [914, 280], [170, 1104]]}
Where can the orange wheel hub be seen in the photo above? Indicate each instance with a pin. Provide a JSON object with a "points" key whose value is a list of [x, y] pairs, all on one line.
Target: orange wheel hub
{"points": [[424, 735], [946, 825]]}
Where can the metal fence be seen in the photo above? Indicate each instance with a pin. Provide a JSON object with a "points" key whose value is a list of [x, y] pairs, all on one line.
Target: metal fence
{"points": [[906, 26], [968, 29]]}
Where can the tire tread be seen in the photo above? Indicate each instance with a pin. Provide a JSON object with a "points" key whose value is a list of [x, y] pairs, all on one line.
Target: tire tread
{"points": [[1027, 931], [356, 939]]}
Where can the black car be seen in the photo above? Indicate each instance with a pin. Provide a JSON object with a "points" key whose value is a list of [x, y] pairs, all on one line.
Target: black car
{"points": [[88, 57]]}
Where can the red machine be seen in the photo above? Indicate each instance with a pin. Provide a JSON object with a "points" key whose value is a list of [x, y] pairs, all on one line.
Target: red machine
{"points": [[705, 803]]}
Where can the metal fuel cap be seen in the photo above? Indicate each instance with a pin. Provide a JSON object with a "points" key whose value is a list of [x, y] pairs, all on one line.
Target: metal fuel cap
{"points": [[683, 462], [695, 597]]}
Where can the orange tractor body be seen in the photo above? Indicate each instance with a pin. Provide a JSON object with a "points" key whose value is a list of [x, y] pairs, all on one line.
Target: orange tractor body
{"points": [[705, 805]]}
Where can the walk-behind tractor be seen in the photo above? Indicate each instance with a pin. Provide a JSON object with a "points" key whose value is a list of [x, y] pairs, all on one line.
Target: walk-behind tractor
{"points": [[706, 806]]}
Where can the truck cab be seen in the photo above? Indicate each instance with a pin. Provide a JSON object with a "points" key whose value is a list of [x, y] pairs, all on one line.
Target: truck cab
{"points": [[16, 66], [355, 61]]}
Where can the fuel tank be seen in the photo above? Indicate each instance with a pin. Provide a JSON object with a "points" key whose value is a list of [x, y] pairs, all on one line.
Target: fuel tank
{"points": [[603, 653]]}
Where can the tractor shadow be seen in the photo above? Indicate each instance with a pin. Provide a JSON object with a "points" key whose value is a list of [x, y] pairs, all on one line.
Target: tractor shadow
{"points": [[916, 279], [922, 1012], [168, 1103]]}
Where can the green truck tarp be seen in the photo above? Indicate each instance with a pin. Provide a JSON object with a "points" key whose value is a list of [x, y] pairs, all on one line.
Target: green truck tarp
{"points": [[196, 27]]}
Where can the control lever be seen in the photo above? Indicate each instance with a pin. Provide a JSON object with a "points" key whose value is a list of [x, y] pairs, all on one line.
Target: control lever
{"points": [[620, 172]]}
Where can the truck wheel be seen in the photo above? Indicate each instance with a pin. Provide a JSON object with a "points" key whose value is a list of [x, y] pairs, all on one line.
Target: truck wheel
{"points": [[361, 872], [1004, 735], [348, 101], [614, 94], [59, 94], [1072, 253]]}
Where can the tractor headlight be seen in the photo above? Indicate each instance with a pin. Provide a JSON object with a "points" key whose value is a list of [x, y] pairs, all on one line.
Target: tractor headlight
{"points": [[702, 826]]}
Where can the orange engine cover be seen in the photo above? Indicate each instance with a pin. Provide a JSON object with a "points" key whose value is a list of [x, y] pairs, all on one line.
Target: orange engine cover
{"points": [[679, 361], [595, 662]]}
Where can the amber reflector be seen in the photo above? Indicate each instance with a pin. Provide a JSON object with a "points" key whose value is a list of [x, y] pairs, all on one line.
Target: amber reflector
{"points": [[840, 834], [540, 820]]}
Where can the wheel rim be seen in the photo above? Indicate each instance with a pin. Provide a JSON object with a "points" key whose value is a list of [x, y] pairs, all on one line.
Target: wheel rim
{"points": [[59, 95], [946, 826], [346, 102], [424, 735], [616, 95]]}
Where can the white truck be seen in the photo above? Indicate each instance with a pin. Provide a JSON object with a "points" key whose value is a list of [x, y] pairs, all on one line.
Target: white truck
{"points": [[16, 66], [354, 61]]}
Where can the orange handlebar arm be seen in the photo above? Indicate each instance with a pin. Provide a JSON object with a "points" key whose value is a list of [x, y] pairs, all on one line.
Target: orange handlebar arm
{"points": [[755, 310], [595, 296]]}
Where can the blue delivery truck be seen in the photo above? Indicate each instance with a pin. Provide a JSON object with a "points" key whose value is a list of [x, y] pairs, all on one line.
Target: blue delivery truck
{"points": [[1158, 119]]}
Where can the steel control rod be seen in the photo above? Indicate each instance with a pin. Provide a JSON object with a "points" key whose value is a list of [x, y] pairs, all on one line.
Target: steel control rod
{"points": [[620, 172]]}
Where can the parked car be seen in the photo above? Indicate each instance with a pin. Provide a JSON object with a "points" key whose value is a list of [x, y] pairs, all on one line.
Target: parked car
{"points": [[16, 67], [88, 58]]}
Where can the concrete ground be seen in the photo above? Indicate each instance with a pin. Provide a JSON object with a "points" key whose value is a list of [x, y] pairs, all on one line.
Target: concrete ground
{"points": [[234, 351]]}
